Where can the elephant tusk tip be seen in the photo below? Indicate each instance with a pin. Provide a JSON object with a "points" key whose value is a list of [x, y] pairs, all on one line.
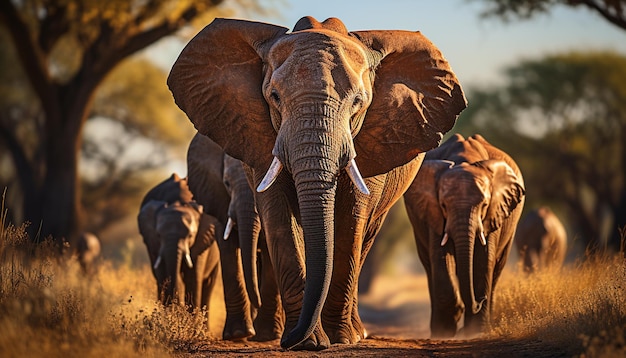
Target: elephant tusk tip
{"points": [[157, 263], [483, 240], [229, 228], [444, 240], [356, 178], [270, 176]]}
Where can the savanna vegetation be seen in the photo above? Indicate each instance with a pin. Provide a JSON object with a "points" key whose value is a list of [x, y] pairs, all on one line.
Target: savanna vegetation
{"points": [[49, 308], [70, 62], [73, 70]]}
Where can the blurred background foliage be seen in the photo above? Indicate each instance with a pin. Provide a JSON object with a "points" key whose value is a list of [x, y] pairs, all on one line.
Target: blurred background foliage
{"points": [[73, 70], [76, 71]]}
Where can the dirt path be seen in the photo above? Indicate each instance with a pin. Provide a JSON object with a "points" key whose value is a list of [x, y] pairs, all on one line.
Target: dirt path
{"points": [[396, 315]]}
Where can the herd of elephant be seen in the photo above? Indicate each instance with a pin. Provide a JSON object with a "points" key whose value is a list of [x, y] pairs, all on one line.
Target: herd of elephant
{"points": [[306, 138]]}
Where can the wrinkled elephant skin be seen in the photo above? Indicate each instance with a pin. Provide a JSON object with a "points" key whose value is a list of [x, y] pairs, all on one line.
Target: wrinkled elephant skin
{"points": [[464, 206], [181, 244], [330, 125], [219, 183]]}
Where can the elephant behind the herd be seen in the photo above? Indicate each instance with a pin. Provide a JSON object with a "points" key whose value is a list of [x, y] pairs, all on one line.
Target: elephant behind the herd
{"points": [[464, 206], [541, 240], [341, 120], [219, 183], [181, 244]]}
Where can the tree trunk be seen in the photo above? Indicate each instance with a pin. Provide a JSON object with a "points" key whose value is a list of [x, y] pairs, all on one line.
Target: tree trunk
{"points": [[55, 211]]}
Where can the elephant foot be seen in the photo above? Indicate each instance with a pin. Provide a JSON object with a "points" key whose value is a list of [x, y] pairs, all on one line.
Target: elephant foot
{"points": [[269, 324], [345, 335], [237, 328], [267, 330], [357, 324], [317, 341]]}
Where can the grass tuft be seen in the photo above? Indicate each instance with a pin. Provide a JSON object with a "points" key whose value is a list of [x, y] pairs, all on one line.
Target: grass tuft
{"points": [[48, 307], [581, 305]]}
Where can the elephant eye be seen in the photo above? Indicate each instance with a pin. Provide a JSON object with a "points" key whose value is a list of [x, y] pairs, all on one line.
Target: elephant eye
{"points": [[275, 97], [357, 101]]}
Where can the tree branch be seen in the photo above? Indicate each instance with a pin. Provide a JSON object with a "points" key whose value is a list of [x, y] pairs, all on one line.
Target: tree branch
{"points": [[32, 60], [618, 18]]}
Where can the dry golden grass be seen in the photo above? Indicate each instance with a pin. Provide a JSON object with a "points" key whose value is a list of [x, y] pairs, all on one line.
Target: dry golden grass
{"points": [[583, 303], [48, 307]]}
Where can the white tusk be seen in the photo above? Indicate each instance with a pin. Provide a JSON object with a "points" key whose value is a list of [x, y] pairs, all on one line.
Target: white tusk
{"points": [[188, 260], [188, 257], [157, 263], [445, 239], [355, 176], [271, 175], [229, 228], [482, 238]]}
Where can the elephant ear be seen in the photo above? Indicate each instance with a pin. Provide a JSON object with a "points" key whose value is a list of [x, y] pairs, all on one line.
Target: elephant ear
{"points": [[146, 221], [422, 197], [170, 190], [217, 81], [507, 191], [416, 100], [208, 230]]}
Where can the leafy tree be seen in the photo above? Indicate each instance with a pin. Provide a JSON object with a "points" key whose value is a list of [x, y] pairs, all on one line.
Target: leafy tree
{"points": [[563, 118], [63, 50], [133, 131], [613, 11]]}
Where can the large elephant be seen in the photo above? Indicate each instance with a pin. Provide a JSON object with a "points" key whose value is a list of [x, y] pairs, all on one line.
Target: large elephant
{"points": [[464, 206], [541, 240], [181, 244], [219, 183], [330, 126]]}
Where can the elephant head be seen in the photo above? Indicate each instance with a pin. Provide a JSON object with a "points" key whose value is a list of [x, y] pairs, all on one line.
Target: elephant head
{"points": [[170, 232], [243, 214], [472, 201], [314, 102]]}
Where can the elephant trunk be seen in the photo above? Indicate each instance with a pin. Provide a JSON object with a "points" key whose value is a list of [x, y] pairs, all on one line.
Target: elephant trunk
{"points": [[174, 288], [464, 237], [249, 227], [314, 166]]}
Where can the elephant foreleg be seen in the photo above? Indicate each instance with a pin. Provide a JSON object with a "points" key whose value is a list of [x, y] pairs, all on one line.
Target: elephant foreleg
{"points": [[212, 272], [285, 243], [238, 323], [270, 321], [446, 306]]}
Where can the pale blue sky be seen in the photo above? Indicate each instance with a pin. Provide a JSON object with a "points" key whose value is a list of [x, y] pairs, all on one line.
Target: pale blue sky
{"points": [[476, 48]]}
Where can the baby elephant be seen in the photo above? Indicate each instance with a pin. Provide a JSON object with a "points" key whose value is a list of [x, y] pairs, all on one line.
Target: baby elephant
{"points": [[88, 251], [541, 240], [181, 243]]}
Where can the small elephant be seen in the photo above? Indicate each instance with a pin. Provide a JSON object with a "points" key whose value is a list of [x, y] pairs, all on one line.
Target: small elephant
{"points": [[331, 127], [181, 244], [219, 183], [88, 250], [541, 240], [464, 206]]}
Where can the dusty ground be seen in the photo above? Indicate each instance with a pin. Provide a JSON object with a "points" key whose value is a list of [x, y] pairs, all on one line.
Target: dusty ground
{"points": [[396, 315]]}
